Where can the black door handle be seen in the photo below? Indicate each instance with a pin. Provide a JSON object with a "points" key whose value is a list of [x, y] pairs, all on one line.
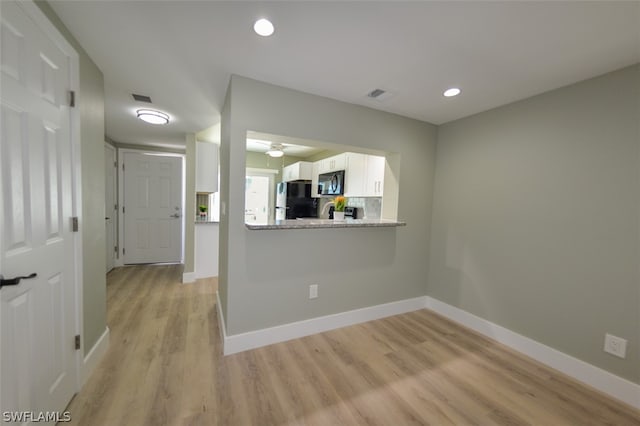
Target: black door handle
{"points": [[16, 280]]}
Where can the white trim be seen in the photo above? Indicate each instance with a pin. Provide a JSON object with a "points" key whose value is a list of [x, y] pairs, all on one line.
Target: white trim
{"points": [[108, 146], [188, 277], [591, 375], [267, 336], [94, 356]]}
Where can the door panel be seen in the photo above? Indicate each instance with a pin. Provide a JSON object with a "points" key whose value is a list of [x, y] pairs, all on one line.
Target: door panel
{"points": [[153, 200], [37, 324]]}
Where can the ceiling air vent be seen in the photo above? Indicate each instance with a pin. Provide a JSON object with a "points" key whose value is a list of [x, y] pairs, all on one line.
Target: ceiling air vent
{"points": [[375, 93], [141, 98], [379, 95]]}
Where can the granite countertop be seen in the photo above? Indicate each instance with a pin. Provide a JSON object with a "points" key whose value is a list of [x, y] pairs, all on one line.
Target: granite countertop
{"points": [[207, 220], [325, 223]]}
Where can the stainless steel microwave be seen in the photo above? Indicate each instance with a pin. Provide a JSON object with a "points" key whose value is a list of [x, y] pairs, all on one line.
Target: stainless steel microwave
{"points": [[331, 183]]}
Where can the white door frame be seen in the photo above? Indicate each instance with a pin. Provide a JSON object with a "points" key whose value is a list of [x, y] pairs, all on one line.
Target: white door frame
{"points": [[108, 210], [42, 22], [121, 152]]}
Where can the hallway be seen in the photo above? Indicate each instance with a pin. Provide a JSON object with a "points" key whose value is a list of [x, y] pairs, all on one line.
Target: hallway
{"points": [[165, 366]]}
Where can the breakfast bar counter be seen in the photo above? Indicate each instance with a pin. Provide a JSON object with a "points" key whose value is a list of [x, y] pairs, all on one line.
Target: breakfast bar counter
{"points": [[324, 223]]}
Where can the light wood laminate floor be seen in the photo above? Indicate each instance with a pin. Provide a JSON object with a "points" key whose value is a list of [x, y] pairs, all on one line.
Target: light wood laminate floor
{"points": [[165, 367]]}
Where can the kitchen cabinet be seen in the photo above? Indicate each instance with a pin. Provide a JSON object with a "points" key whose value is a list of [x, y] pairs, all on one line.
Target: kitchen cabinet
{"points": [[206, 167], [206, 236], [315, 171], [364, 174], [355, 175], [332, 164], [374, 186], [302, 170]]}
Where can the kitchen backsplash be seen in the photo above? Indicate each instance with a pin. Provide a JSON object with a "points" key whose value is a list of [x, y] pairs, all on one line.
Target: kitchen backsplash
{"points": [[368, 207]]}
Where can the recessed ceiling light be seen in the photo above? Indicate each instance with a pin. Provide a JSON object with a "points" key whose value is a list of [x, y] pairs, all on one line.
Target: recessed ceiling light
{"points": [[152, 116], [263, 27], [454, 91]]}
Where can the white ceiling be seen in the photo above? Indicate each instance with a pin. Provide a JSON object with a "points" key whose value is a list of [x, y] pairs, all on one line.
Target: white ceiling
{"points": [[181, 53]]}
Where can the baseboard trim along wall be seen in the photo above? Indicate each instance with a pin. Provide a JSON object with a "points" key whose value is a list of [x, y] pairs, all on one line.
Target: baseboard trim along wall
{"points": [[267, 336], [188, 277], [614, 386], [94, 356], [591, 375]]}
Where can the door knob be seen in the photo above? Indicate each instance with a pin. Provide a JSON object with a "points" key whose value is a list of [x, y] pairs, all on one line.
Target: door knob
{"points": [[16, 280], [175, 215]]}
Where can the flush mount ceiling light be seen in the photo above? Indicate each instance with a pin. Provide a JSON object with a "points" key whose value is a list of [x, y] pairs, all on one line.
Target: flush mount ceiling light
{"points": [[152, 116], [449, 93], [263, 27], [276, 150]]}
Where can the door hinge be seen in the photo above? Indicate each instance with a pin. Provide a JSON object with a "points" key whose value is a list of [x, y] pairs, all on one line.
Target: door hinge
{"points": [[115, 249], [123, 167], [123, 250], [77, 342], [122, 209], [115, 164], [74, 224], [72, 98]]}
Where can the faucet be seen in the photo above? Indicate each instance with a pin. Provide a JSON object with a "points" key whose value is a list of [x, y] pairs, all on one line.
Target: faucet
{"points": [[326, 208]]}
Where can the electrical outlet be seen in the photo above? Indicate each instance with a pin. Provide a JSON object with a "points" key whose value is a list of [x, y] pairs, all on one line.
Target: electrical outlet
{"points": [[313, 291], [615, 345]]}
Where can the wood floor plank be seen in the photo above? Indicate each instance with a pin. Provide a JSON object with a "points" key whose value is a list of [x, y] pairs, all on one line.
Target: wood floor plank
{"points": [[165, 366]]}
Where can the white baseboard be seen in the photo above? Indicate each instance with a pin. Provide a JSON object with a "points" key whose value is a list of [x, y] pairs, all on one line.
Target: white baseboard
{"points": [[188, 277], [267, 336], [94, 356], [591, 375]]}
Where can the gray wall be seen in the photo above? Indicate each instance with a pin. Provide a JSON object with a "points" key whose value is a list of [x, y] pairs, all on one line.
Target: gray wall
{"points": [[90, 102], [265, 275], [536, 214]]}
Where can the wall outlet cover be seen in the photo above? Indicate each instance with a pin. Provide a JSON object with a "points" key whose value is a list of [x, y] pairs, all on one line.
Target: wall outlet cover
{"points": [[313, 291], [615, 345]]}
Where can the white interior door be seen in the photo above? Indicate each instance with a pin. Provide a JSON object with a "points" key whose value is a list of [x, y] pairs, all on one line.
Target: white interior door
{"points": [[37, 316], [110, 204], [152, 208], [256, 199]]}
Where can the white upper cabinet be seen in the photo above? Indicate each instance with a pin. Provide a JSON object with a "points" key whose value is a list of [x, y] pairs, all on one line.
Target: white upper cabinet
{"points": [[364, 174], [315, 171], [374, 185], [206, 167], [332, 164], [355, 174], [302, 170]]}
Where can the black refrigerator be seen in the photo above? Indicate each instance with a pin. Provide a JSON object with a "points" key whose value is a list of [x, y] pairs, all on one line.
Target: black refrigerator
{"points": [[293, 200]]}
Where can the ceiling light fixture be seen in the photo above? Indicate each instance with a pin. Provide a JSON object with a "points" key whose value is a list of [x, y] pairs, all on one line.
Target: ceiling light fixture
{"points": [[276, 150], [449, 93], [152, 116], [263, 27]]}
